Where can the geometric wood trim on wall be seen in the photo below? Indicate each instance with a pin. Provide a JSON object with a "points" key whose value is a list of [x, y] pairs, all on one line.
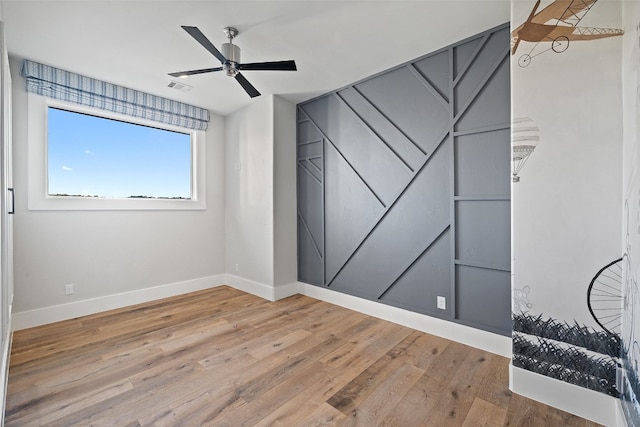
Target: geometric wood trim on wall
{"points": [[404, 185]]}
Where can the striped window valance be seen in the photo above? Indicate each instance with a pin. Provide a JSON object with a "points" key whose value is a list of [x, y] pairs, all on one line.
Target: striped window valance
{"points": [[67, 86]]}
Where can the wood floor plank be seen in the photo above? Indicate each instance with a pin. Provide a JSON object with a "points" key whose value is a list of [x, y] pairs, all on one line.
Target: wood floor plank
{"points": [[93, 341], [198, 410], [142, 401], [524, 412], [447, 363], [124, 361], [324, 415], [459, 392], [364, 385], [422, 349], [405, 413], [53, 407], [223, 357], [341, 376], [484, 414], [295, 411], [261, 402], [344, 355], [495, 386], [386, 340], [289, 413], [386, 396], [188, 336], [334, 321]]}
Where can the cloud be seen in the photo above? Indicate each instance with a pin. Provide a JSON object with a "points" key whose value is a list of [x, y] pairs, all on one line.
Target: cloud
{"points": [[66, 168], [89, 153]]}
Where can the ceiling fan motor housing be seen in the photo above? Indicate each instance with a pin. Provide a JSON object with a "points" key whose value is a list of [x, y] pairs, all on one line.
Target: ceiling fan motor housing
{"points": [[232, 53]]}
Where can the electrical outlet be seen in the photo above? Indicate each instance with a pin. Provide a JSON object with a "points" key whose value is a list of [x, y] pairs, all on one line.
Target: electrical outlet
{"points": [[442, 303], [68, 289], [237, 267]]}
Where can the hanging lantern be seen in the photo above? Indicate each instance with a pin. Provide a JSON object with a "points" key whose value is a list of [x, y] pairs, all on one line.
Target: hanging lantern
{"points": [[524, 138]]}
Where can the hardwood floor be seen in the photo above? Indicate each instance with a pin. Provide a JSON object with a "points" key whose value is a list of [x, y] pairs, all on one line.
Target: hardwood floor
{"points": [[226, 358]]}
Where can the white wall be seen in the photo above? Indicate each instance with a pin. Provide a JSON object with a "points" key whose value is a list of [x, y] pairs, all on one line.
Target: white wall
{"points": [[110, 252], [631, 206], [260, 198], [285, 202], [567, 207], [248, 202]]}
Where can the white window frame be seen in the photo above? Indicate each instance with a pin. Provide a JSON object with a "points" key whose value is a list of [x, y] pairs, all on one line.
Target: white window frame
{"points": [[38, 197]]}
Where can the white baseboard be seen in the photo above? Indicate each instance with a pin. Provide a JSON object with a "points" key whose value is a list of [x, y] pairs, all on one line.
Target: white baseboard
{"points": [[474, 337], [255, 288], [260, 289], [487, 341], [4, 369], [621, 420], [42, 316], [589, 404], [284, 291]]}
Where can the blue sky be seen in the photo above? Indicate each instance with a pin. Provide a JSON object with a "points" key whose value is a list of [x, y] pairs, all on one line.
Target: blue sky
{"points": [[95, 156]]}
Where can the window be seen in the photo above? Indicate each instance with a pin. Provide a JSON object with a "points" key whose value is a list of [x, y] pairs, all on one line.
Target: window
{"points": [[89, 156], [86, 159]]}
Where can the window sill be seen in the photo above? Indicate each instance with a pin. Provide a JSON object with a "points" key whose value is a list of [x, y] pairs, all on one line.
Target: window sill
{"points": [[52, 203], [37, 197]]}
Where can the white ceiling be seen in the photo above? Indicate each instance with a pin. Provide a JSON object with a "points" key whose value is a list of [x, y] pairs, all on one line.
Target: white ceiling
{"points": [[135, 43]]}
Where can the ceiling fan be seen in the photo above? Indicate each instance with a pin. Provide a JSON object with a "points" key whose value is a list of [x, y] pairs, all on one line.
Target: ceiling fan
{"points": [[230, 59]]}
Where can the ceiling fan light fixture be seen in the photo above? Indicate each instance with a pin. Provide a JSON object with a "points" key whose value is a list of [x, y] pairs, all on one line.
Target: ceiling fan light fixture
{"points": [[230, 69]]}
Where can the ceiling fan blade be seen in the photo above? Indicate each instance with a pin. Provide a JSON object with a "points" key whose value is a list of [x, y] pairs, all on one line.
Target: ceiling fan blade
{"points": [[248, 87], [200, 38], [192, 72], [270, 66]]}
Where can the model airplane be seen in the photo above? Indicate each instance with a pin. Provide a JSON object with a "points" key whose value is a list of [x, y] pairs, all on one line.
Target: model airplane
{"points": [[557, 24]]}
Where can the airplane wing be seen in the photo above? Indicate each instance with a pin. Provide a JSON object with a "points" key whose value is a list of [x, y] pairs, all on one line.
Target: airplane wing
{"points": [[569, 12], [591, 33]]}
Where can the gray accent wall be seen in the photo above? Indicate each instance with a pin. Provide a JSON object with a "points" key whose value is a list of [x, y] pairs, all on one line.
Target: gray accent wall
{"points": [[404, 185]]}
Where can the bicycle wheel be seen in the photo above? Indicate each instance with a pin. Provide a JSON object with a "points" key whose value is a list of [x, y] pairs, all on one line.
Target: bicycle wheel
{"points": [[605, 297]]}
